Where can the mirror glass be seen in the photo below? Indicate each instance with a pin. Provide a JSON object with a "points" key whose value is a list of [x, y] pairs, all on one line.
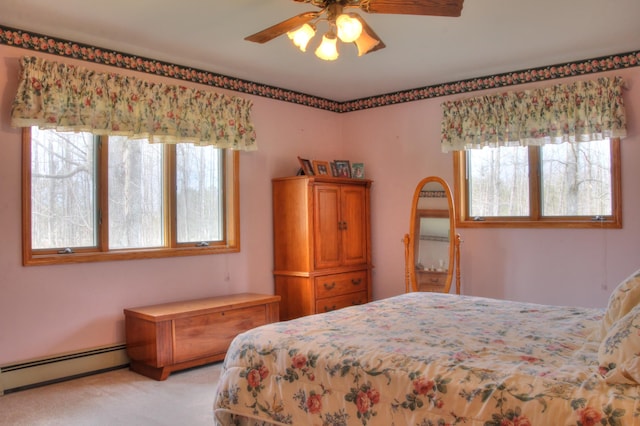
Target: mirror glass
{"points": [[432, 250]]}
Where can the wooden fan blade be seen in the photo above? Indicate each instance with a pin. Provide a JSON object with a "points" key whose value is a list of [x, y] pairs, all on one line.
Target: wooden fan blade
{"points": [[368, 41], [415, 7], [278, 29]]}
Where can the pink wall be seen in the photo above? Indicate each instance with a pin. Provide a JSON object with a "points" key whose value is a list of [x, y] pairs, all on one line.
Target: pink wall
{"points": [[400, 145], [47, 310]]}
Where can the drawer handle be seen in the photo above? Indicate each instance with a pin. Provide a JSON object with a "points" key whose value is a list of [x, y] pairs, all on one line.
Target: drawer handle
{"points": [[434, 280], [329, 286], [356, 282]]}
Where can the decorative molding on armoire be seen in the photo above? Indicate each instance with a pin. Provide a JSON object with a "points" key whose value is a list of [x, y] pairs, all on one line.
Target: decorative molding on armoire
{"points": [[69, 49]]}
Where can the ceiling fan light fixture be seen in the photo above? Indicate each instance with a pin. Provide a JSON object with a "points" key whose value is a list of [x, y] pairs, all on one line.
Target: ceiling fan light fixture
{"points": [[301, 28], [328, 50], [366, 44], [302, 35], [368, 40], [349, 27]]}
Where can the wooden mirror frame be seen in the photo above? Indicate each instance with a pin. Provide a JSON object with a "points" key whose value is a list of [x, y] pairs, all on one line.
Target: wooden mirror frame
{"points": [[410, 240]]}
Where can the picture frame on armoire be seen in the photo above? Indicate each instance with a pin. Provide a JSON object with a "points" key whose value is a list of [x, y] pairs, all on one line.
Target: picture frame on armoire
{"points": [[357, 170], [343, 168], [334, 170], [321, 167], [307, 168]]}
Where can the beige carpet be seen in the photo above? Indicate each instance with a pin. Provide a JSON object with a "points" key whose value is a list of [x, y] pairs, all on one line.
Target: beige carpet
{"points": [[119, 397]]}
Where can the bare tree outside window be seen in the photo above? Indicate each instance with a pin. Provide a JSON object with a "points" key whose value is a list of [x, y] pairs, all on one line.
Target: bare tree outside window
{"points": [[63, 192], [498, 181], [198, 202], [576, 179], [136, 206], [91, 198], [552, 185]]}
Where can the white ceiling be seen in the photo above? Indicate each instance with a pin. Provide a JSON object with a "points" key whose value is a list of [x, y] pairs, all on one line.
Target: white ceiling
{"points": [[491, 37]]}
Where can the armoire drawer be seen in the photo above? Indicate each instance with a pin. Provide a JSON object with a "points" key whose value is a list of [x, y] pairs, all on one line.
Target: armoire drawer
{"points": [[339, 302], [339, 284]]}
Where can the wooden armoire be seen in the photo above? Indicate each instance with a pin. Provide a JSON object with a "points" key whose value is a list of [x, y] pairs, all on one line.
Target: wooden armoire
{"points": [[322, 244]]}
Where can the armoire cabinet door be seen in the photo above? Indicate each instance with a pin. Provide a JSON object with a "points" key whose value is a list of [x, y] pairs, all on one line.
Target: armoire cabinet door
{"points": [[327, 227], [354, 225], [340, 225]]}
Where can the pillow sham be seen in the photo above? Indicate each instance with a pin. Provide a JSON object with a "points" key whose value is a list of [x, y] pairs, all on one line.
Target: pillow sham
{"points": [[619, 352], [623, 298]]}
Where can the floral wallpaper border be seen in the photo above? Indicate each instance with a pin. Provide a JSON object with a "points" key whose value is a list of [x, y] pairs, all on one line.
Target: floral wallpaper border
{"points": [[41, 43]]}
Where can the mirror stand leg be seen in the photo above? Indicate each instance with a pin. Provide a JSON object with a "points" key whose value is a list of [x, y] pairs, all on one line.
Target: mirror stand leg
{"points": [[407, 262], [457, 243]]}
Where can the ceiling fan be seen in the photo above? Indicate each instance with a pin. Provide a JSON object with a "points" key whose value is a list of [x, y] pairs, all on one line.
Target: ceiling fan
{"points": [[348, 26]]}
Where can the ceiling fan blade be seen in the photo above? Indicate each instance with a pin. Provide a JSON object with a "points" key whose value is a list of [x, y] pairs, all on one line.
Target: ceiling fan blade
{"points": [[414, 7], [278, 29], [368, 41]]}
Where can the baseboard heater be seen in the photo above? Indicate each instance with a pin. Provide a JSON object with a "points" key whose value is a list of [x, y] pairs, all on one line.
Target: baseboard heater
{"points": [[59, 368]]}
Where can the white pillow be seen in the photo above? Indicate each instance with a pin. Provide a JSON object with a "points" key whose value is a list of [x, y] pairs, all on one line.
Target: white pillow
{"points": [[619, 352]]}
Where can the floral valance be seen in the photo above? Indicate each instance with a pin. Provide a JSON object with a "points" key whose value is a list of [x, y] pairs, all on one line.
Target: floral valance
{"points": [[64, 97], [577, 112]]}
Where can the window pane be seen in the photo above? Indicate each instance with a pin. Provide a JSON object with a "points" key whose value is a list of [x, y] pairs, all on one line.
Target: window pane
{"points": [[498, 182], [199, 193], [136, 205], [63, 190], [576, 179]]}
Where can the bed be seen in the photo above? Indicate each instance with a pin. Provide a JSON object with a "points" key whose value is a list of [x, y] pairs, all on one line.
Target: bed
{"points": [[438, 359]]}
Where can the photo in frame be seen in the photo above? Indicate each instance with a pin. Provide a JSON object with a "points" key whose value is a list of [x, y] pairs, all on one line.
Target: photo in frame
{"points": [[357, 170], [334, 170], [321, 168], [343, 168], [307, 168]]}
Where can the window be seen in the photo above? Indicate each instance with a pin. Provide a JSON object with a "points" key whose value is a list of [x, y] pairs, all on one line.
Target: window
{"points": [[552, 185], [90, 198]]}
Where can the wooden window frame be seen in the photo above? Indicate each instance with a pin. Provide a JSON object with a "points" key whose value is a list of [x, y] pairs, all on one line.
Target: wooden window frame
{"points": [[231, 204], [535, 219]]}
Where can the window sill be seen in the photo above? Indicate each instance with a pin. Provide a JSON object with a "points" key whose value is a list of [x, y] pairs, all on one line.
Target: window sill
{"points": [[543, 223], [84, 257]]}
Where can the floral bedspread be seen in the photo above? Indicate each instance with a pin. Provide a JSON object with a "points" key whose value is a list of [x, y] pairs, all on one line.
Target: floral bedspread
{"points": [[424, 359]]}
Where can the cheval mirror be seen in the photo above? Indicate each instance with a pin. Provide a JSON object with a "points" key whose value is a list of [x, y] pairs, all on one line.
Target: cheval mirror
{"points": [[432, 247]]}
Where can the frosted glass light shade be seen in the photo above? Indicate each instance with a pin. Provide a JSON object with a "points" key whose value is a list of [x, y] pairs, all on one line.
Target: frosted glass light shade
{"points": [[349, 28], [328, 49], [301, 36], [366, 43]]}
